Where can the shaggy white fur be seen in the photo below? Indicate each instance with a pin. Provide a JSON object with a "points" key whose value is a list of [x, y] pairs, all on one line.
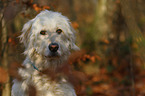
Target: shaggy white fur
{"points": [[48, 39]]}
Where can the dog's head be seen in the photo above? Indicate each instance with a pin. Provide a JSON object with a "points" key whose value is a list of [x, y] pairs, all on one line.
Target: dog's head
{"points": [[49, 34]]}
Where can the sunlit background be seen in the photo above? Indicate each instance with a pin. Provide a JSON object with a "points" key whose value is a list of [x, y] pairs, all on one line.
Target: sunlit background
{"points": [[110, 34]]}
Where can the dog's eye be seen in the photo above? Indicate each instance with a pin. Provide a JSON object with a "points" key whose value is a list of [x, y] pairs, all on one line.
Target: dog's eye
{"points": [[58, 31], [43, 32]]}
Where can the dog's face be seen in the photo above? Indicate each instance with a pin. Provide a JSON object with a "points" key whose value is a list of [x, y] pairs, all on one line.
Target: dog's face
{"points": [[49, 34]]}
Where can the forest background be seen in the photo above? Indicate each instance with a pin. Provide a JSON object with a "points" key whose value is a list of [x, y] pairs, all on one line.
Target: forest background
{"points": [[110, 33]]}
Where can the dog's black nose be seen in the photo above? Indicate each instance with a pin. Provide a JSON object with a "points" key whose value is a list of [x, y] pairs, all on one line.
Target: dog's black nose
{"points": [[53, 47]]}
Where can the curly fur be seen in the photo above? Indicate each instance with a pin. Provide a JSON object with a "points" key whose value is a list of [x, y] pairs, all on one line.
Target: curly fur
{"points": [[39, 55]]}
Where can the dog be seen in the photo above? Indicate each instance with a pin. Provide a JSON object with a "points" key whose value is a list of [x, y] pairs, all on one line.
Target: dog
{"points": [[48, 39]]}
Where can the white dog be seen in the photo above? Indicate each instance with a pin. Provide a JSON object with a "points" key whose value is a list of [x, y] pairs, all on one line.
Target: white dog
{"points": [[48, 39]]}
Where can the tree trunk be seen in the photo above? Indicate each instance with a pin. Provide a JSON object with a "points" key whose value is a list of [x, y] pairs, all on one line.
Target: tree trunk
{"points": [[4, 59], [100, 20], [132, 24]]}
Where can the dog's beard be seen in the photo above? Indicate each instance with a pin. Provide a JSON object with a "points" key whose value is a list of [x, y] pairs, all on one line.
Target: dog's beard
{"points": [[52, 55], [57, 55]]}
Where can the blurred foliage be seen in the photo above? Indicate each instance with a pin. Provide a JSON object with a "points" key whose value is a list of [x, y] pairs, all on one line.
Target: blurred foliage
{"points": [[109, 32]]}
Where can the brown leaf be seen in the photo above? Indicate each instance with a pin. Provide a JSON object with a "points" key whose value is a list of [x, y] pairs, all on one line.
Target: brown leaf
{"points": [[75, 25], [3, 75], [45, 7], [36, 8]]}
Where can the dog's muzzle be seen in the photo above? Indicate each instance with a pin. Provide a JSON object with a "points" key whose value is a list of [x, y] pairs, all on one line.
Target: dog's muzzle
{"points": [[53, 47]]}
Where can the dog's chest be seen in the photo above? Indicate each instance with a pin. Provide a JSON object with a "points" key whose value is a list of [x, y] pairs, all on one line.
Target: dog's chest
{"points": [[45, 85], [41, 81]]}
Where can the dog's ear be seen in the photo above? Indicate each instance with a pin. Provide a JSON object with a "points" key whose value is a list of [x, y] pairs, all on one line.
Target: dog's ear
{"points": [[24, 37], [73, 46]]}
